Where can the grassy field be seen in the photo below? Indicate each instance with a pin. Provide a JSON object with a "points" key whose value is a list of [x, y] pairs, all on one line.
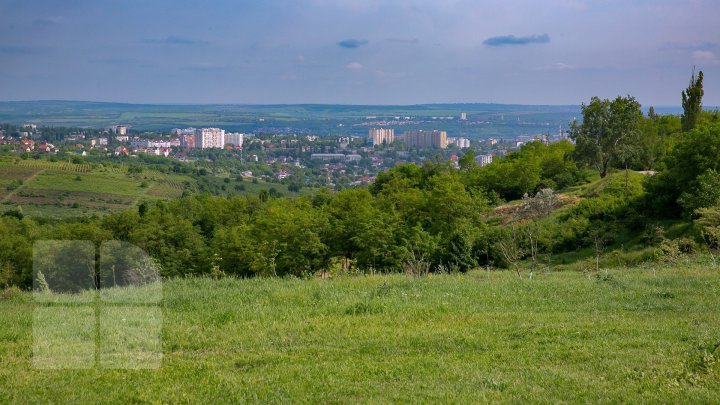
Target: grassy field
{"points": [[630, 335]]}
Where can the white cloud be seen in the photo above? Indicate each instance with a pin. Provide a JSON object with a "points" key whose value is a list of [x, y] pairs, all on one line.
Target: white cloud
{"points": [[705, 56], [563, 66], [558, 66], [356, 66]]}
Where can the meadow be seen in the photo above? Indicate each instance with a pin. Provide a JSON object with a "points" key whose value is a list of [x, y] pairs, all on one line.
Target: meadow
{"points": [[620, 335]]}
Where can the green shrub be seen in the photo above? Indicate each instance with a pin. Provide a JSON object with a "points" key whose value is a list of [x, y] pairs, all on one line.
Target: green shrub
{"points": [[668, 251], [10, 293], [686, 246]]}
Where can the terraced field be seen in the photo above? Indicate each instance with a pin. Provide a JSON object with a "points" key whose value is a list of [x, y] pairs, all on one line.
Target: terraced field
{"points": [[13, 177], [63, 166], [63, 189]]}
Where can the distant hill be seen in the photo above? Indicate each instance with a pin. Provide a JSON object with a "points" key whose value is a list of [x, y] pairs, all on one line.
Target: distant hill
{"points": [[484, 119]]}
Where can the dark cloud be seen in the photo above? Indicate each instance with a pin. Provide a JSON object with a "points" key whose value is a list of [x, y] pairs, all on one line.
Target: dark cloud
{"points": [[351, 43], [513, 40], [175, 40]]}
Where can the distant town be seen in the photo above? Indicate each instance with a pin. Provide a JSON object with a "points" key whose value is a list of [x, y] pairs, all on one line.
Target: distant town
{"points": [[340, 161]]}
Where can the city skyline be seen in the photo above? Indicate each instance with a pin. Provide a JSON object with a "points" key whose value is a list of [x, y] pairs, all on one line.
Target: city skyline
{"points": [[374, 52]]}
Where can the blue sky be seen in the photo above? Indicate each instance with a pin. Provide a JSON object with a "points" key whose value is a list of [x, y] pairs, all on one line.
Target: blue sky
{"points": [[357, 51]]}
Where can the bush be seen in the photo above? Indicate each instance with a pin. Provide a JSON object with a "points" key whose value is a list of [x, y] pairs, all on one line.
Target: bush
{"points": [[686, 246], [10, 293], [668, 251]]}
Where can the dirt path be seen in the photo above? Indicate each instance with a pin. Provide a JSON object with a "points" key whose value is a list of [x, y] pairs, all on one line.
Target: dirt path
{"points": [[9, 195]]}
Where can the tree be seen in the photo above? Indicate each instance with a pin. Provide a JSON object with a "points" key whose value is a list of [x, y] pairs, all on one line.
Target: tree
{"points": [[705, 194], [696, 152], [467, 161], [609, 133], [509, 246], [692, 102], [651, 113], [534, 209]]}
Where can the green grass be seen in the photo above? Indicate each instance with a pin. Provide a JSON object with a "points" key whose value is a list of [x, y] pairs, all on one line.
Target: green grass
{"points": [[624, 336], [103, 183]]}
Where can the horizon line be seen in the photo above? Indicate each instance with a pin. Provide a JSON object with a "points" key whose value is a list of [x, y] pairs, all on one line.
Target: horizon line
{"points": [[330, 104]]}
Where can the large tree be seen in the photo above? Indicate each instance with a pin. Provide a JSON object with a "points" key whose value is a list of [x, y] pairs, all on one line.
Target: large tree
{"points": [[608, 134], [692, 102]]}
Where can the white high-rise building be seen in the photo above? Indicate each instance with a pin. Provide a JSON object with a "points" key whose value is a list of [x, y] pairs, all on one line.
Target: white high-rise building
{"points": [[484, 160], [378, 136], [234, 138], [461, 143], [207, 138]]}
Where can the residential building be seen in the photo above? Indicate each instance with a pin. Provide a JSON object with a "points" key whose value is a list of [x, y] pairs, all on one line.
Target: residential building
{"points": [[27, 145], [234, 138], [121, 151], [426, 139], [379, 136], [155, 143], [328, 156], [484, 160], [47, 147], [207, 138], [187, 141], [459, 142], [186, 131]]}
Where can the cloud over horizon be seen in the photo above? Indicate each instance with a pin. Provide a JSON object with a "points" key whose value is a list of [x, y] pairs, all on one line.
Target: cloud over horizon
{"points": [[504, 40]]}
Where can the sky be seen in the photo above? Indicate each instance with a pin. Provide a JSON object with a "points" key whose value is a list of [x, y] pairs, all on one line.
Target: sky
{"points": [[357, 51]]}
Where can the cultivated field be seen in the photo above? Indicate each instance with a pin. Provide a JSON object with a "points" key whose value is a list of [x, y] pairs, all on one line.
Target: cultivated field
{"points": [[62, 189], [630, 335]]}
